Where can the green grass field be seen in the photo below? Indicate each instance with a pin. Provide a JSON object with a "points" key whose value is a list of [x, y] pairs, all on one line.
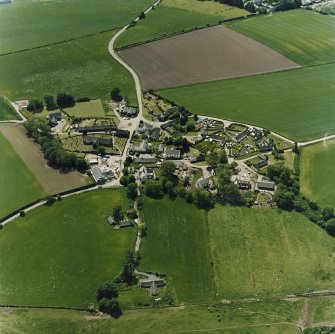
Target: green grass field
{"points": [[317, 175], [59, 255], [237, 318], [265, 253], [18, 185], [25, 24], [177, 244], [82, 67], [304, 36], [297, 104], [91, 109], [6, 111], [173, 16]]}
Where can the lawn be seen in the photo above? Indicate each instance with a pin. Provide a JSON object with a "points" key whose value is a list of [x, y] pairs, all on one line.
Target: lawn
{"points": [[26, 24], [248, 247], [297, 103], [59, 255], [237, 318], [177, 244], [82, 67], [18, 185], [90, 109], [173, 16], [6, 111], [304, 36], [317, 174]]}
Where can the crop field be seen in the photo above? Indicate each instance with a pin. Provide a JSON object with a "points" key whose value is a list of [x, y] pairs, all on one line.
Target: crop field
{"points": [[82, 67], [18, 185], [304, 36], [66, 251], [51, 180], [177, 244], [205, 55], [6, 111], [174, 16], [287, 102], [26, 24], [237, 318], [317, 173], [248, 247], [90, 109]]}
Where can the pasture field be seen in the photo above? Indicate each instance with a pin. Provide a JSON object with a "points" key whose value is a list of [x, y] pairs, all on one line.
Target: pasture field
{"points": [[90, 109], [216, 53], [82, 67], [173, 16], [304, 36], [177, 244], [18, 185], [26, 24], [52, 180], [248, 247], [317, 173], [321, 309], [298, 104], [237, 318], [6, 111], [65, 251]]}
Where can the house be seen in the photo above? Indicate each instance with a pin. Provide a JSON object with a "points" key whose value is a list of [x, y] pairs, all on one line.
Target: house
{"points": [[218, 139], [146, 283], [143, 148], [95, 141], [167, 113], [206, 182], [146, 173], [54, 118], [122, 223], [102, 175], [97, 128], [265, 185], [242, 135], [256, 133], [261, 163], [122, 133], [197, 159], [97, 175], [265, 145], [154, 133], [129, 112], [145, 160], [243, 183], [171, 153]]}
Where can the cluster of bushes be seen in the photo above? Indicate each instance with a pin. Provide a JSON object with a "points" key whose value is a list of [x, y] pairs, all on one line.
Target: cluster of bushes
{"points": [[63, 100], [320, 330], [52, 148], [107, 299]]}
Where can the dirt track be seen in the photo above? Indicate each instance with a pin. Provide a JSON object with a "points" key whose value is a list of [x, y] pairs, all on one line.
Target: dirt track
{"points": [[50, 179], [204, 55]]}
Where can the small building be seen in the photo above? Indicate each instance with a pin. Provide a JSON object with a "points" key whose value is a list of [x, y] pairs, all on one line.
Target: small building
{"points": [[144, 160], [54, 118], [265, 145], [142, 148], [256, 133], [218, 139], [122, 133], [146, 173], [243, 183], [95, 141], [265, 185], [242, 135], [97, 128], [97, 175], [121, 224], [153, 289], [263, 161], [206, 183], [146, 283], [129, 112], [171, 153]]}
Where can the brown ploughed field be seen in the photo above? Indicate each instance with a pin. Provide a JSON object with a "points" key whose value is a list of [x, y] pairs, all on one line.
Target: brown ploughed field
{"points": [[204, 55], [52, 180]]}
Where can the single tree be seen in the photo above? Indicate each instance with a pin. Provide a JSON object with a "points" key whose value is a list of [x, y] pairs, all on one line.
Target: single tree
{"points": [[117, 213], [116, 94]]}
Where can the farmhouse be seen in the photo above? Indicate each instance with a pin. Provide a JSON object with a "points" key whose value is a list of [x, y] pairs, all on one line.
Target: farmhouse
{"points": [[265, 185], [101, 176], [95, 141], [171, 154]]}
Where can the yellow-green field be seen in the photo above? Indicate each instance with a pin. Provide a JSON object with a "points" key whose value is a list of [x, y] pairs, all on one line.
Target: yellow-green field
{"points": [[317, 172]]}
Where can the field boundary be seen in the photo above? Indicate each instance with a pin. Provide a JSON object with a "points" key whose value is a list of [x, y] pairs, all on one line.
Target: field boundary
{"points": [[184, 31]]}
